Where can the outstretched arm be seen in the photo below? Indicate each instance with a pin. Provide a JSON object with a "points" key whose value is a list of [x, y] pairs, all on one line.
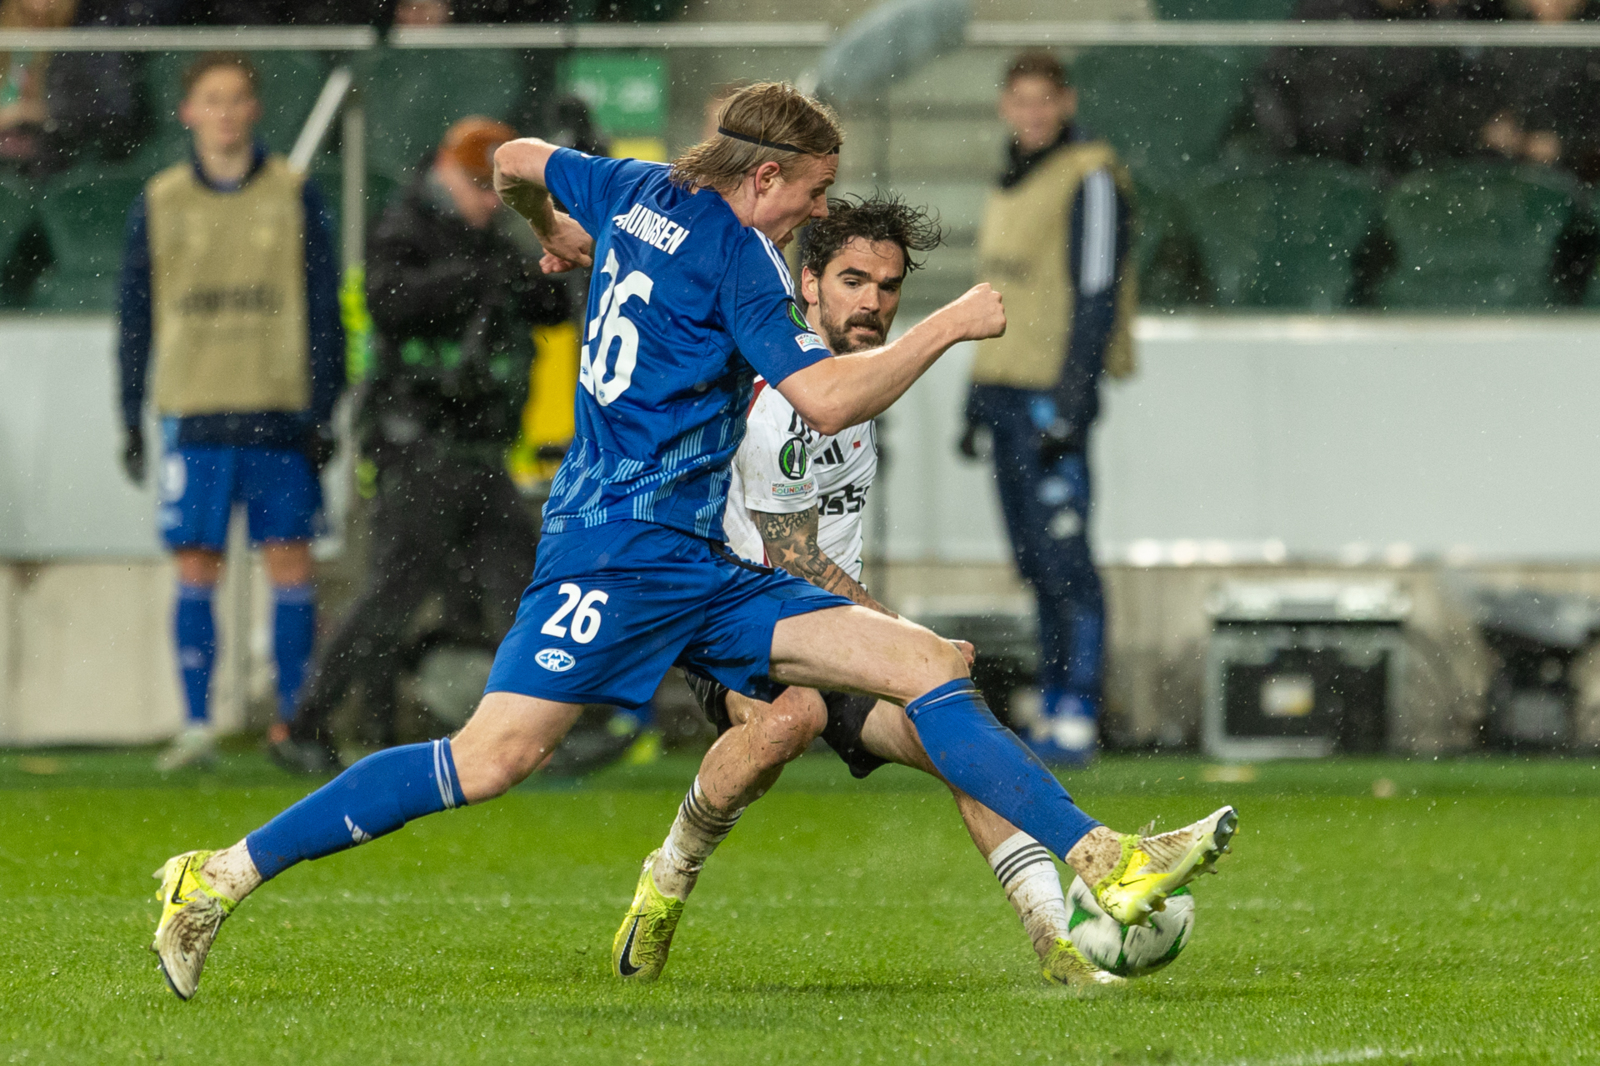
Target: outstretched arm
{"points": [[519, 179], [791, 543], [834, 394]]}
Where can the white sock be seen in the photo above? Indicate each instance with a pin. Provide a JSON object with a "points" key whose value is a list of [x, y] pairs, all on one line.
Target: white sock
{"points": [[232, 872], [1028, 875], [695, 834]]}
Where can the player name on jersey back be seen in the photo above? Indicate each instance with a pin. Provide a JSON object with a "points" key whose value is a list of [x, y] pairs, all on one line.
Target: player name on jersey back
{"points": [[658, 231]]}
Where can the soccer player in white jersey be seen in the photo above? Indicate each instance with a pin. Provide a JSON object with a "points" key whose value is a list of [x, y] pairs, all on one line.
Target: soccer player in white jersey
{"points": [[690, 301], [796, 502]]}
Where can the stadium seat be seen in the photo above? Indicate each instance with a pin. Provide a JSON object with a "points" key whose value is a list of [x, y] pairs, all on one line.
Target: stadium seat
{"points": [[1226, 10], [16, 212], [1283, 237], [84, 215], [1165, 109], [412, 98], [1475, 237]]}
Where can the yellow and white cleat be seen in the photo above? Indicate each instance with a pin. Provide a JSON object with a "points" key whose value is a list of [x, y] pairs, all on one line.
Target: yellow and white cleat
{"points": [[1154, 867], [1065, 965], [639, 950], [191, 913]]}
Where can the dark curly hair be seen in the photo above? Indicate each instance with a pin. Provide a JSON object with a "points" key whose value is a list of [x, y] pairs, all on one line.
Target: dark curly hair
{"points": [[885, 217]]}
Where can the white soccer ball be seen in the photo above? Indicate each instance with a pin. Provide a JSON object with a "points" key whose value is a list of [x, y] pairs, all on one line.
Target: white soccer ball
{"points": [[1128, 950]]}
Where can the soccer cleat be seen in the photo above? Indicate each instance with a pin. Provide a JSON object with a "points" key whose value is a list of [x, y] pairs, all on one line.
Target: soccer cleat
{"points": [[639, 950], [1065, 965], [191, 913], [1153, 867], [195, 746]]}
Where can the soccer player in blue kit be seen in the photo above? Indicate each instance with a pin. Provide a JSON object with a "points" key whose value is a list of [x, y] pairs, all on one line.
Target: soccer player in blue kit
{"points": [[690, 300]]}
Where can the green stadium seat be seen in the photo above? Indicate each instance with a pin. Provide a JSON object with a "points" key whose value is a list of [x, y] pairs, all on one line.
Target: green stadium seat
{"points": [[413, 97], [84, 214], [1475, 237], [1226, 10], [16, 214], [1284, 237], [1165, 109]]}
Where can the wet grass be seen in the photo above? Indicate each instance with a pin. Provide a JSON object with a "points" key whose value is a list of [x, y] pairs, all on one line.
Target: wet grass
{"points": [[1454, 918]]}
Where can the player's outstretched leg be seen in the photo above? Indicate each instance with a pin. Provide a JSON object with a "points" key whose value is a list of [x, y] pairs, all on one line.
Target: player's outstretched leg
{"points": [[759, 740], [857, 649], [508, 738], [1021, 864]]}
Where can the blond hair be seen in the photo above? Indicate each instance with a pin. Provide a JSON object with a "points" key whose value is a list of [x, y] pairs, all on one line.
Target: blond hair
{"points": [[787, 124]]}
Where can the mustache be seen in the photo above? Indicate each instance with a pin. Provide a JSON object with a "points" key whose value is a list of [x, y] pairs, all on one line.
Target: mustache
{"points": [[866, 320]]}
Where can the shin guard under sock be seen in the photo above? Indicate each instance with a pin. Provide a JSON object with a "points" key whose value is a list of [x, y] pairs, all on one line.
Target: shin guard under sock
{"points": [[377, 795], [985, 760], [196, 633], [294, 626]]}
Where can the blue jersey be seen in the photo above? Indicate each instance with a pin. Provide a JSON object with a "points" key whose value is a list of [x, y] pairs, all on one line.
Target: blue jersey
{"points": [[686, 306]]}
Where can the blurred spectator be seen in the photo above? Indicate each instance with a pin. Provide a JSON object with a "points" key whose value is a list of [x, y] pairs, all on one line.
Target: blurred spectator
{"points": [[1054, 241], [421, 13], [229, 285], [454, 289], [1546, 100], [55, 107], [1393, 107]]}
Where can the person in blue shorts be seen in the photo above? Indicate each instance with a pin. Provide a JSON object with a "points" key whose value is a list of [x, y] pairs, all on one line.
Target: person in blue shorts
{"points": [[690, 300], [230, 322]]}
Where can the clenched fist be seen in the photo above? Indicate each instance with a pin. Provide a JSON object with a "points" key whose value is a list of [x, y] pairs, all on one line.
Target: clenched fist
{"points": [[979, 314]]}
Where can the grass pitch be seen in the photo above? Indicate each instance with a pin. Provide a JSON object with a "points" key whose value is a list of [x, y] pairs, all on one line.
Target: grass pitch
{"points": [[1456, 920]]}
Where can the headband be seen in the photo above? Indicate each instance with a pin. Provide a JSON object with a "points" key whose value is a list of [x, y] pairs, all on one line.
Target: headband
{"points": [[781, 146]]}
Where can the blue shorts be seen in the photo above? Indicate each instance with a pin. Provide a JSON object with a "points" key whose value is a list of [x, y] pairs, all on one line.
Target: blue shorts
{"points": [[199, 485], [611, 608]]}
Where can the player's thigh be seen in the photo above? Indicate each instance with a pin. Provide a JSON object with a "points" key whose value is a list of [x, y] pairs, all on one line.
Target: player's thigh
{"points": [[507, 738], [857, 650]]}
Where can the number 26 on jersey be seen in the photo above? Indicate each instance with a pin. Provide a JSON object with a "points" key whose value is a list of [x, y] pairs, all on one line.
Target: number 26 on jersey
{"points": [[610, 327], [585, 620]]}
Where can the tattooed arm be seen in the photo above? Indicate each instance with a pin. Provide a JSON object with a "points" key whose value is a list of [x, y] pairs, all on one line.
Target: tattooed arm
{"points": [[791, 543]]}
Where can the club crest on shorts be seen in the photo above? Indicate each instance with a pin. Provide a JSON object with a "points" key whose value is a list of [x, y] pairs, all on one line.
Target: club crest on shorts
{"points": [[555, 660], [792, 459]]}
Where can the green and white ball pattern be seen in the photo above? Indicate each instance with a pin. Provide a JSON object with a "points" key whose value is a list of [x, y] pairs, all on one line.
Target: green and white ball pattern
{"points": [[1128, 950]]}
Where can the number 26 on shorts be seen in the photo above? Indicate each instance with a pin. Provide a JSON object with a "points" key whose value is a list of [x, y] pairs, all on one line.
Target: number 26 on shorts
{"points": [[585, 623]]}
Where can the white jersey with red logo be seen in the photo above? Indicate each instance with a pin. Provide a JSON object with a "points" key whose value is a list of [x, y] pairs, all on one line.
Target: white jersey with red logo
{"points": [[784, 467]]}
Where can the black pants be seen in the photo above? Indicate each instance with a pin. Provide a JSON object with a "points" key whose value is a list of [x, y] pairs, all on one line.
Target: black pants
{"points": [[444, 525]]}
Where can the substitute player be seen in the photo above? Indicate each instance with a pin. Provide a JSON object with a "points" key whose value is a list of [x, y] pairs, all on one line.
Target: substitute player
{"points": [[796, 502], [691, 301]]}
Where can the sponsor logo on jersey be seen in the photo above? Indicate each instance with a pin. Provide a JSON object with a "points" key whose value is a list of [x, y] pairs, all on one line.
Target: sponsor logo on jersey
{"points": [[832, 455], [792, 309], [658, 231], [810, 342], [780, 489], [793, 460], [555, 660]]}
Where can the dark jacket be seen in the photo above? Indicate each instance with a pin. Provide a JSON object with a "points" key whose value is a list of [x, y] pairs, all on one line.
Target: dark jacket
{"points": [[452, 310]]}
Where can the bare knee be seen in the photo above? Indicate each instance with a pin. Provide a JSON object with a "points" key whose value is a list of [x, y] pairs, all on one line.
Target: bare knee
{"points": [[507, 738], [942, 662], [784, 729]]}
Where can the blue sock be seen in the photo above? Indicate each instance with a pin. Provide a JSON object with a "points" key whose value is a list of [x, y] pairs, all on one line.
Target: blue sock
{"points": [[985, 760], [377, 795], [294, 627], [196, 634]]}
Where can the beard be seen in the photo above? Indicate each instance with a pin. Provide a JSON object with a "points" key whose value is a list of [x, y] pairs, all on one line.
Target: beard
{"points": [[841, 341]]}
